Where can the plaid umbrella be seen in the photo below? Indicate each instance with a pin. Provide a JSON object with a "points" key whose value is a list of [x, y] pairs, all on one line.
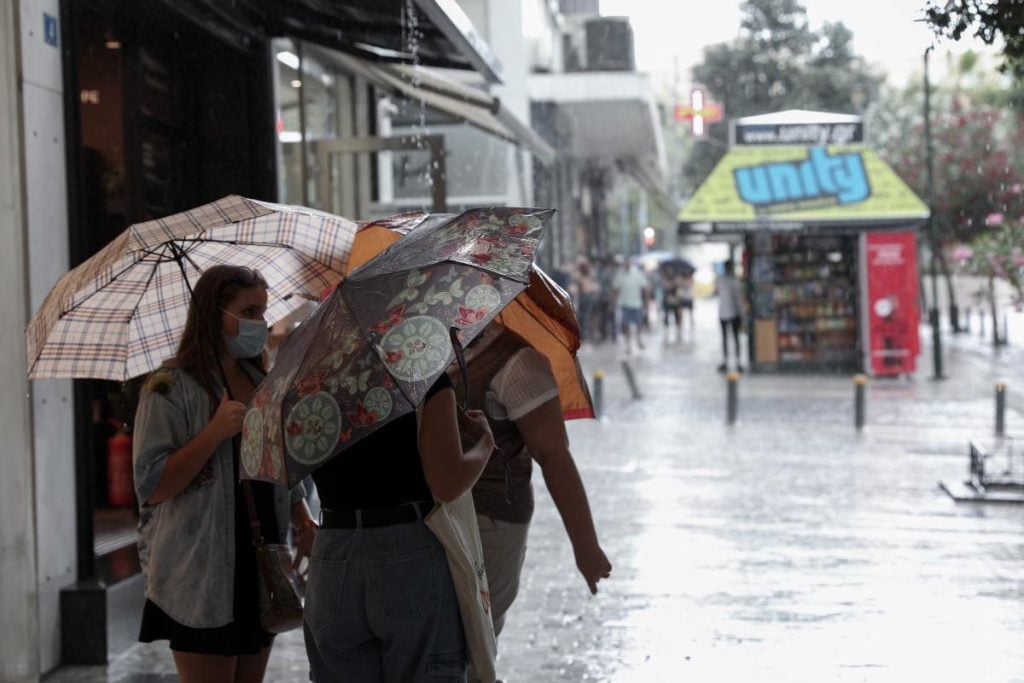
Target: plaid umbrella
{"points": [[542, 314], [374, 347], [120, 314]]}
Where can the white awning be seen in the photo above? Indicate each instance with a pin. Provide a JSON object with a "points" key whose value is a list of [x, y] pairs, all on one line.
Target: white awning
{"points": [[798, 116], [609, 115], [472, 105]]}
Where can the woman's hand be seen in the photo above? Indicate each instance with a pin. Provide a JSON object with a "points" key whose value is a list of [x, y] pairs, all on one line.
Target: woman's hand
{"points": [[473, 426], [228, 419], [304, 536], [593, 565]]}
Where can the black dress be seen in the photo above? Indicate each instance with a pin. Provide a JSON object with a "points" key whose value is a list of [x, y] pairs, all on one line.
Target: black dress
{"points": [[243, 635]]}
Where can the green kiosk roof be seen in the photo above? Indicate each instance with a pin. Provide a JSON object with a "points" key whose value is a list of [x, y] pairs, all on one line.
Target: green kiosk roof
{"points": [[774, 188]]}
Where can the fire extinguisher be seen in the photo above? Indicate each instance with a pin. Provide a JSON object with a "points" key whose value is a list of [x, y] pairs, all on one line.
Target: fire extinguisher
{"points": [[120, 480]]}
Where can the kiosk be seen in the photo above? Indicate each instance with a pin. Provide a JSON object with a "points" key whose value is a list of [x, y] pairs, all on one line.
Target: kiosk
{"points": [[830, 248]]}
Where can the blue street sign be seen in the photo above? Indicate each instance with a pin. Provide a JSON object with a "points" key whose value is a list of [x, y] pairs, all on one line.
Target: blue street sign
{"points": [[50, 29]]}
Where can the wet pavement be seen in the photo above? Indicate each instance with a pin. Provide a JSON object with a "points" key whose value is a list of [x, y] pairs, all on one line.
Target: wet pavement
{"points": [[786, 547]]}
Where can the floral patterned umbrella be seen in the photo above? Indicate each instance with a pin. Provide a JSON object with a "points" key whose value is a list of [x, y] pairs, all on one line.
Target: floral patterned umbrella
{"points": [[374, 347], [542, 314]]}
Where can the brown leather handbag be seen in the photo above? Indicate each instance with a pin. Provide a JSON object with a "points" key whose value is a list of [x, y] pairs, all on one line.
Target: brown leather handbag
{"points": [[282, 588]]}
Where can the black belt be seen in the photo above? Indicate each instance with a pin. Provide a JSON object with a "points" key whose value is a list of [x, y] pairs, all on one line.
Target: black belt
{"points": [[372, 517]]}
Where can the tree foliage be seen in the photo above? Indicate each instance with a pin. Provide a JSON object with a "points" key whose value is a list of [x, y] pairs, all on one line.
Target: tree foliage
{"points": [[998, 254], [977, 174], [778, 62], [989, 20]]}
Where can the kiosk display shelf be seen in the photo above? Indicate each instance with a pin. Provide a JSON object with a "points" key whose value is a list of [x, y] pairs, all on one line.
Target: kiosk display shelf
{"points": [[804, 302]]}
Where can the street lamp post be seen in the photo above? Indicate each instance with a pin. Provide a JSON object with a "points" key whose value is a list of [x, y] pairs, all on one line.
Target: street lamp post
{"points": [[933, 309]]}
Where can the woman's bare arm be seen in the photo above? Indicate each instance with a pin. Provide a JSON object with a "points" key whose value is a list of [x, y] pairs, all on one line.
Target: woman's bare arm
{"points": [[449, 470]]}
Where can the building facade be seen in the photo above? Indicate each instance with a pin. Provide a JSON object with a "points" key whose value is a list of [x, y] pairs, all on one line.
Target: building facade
{"points": [[116, 111]]}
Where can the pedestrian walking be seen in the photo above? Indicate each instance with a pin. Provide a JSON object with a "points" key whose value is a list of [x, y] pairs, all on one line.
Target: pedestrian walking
{"points": [[512, 384], [730, 310], [607, 270], [630, 286], [677, 297], [195, 547], [587, 298]]}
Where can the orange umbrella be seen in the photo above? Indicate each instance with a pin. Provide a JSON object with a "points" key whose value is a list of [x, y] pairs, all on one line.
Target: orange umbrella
{"points": [[542, 314]]}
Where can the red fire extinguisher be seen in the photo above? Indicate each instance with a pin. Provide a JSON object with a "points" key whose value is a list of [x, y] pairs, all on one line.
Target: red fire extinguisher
{"points": [[120, 481]]}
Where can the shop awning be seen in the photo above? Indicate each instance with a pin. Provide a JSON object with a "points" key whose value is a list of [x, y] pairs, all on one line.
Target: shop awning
{"points": [[606, 116], [465, 103], [380, 30], [776, 188]]}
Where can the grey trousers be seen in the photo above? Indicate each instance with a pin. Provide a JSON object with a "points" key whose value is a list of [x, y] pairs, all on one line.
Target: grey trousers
{"points": [[381, 608]]}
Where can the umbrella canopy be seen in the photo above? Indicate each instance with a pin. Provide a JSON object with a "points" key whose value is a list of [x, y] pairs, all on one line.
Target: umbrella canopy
{"points": [[120, 314], [677, 265], [542, 314], [374, 347]]}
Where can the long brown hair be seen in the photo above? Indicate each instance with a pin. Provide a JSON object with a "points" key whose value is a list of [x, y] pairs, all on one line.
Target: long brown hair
{"points": [[202, 341]]}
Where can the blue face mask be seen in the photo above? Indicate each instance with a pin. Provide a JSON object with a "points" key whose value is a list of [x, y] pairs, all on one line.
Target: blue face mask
{"points": [[252, 335]]}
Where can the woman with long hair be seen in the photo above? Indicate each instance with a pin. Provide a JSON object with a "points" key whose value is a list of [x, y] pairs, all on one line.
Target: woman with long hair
{"points": [[195, 544]]}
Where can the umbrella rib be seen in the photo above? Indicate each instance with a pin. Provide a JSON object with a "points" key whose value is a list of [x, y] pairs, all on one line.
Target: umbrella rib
{"points": [[238, 243], [161, 259], [279, 245]]}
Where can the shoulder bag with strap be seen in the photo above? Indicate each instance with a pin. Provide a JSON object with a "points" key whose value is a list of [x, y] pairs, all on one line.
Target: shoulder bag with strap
{"points": [[281, 586], [456, 528]]}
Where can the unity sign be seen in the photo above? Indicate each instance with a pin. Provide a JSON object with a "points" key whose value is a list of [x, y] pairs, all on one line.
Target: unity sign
{"points": [[821, 180], [799, 185]]}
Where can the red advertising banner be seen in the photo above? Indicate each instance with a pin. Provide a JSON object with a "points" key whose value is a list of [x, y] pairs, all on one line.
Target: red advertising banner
{"points": [[890, 262]]}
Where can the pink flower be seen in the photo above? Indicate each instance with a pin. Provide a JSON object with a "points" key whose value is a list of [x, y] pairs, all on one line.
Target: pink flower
{"points": [[310, 385], [994, 219], [962, 252], [469, 316]]}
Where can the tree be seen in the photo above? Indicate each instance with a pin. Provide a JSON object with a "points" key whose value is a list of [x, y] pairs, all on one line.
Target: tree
{"points": [[997, 254], [777, 62], [975, 172], [989, 20]]}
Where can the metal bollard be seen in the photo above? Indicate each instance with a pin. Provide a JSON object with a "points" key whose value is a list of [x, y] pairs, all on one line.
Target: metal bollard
{"points": [[1000, 408], [1006, 331], [981, 324], [598, 393], [967, 319], [632, 380], [732, 397], [859, 384]]}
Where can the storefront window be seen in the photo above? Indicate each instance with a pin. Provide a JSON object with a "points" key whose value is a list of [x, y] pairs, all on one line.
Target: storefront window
{"points": [[307, 111]]}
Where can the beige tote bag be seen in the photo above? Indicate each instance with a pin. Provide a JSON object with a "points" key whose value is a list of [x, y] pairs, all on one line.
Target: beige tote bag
{"points": [[455, 526]]}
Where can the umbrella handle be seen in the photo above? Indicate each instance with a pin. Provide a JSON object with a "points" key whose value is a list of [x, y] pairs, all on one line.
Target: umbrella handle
{"points": [[453, 333]]}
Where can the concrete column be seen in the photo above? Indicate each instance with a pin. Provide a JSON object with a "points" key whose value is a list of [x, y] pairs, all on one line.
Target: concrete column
{"points": [[504, 32], [46, 259], [18, 597]]}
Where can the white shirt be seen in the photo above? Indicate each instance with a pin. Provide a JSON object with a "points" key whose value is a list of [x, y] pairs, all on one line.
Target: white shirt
{"points": [[729, 304], [521, 386], [630, 285]]}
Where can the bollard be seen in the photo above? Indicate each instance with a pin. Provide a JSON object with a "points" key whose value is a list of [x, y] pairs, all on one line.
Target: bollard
{"points": [[632, 380], [859, 383], [1006, 331], [981, 325], [1000, 408], [732, 397], [967, 319], [598, 393]]}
